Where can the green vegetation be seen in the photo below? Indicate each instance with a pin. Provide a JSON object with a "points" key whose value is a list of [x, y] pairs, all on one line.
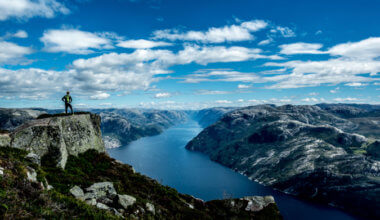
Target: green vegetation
{"points": [[20, 198]]}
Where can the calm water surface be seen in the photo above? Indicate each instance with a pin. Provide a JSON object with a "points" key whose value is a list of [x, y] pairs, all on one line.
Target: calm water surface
{"points": [[164, 158]]}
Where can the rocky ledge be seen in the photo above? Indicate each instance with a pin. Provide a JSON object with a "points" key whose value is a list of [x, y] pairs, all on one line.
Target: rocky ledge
{"points": [[62, 136]]}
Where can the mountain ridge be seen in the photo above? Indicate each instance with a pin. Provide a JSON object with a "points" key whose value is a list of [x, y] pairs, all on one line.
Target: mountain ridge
{"points": [[301, 150]]}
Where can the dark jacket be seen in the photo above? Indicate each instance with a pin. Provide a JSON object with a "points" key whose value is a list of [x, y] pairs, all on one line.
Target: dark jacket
{"points": [[67, 99]]}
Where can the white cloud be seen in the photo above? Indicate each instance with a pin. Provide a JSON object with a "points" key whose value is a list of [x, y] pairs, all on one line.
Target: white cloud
{"points": [[283, 31], [353, 62], [24, 9], [220, 76], [223, 102], [356, 84], [241, 32], [32, 83], [334, 90], [318, 32], [11, 53], [365, 49], [211, 92], [141, 44], [244, 86], [310, 100], [316, 73], [20, 34], [100, 95], [301, 48], [162, 95], [313, 93], [265, 42], [348, 99], [205, 55], [74, 41]]}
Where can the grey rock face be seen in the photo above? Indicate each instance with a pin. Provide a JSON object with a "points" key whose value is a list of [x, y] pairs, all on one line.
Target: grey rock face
{"points": [[62, 136], [126, 200], [5, 140], [301, 150], [77, 192]]}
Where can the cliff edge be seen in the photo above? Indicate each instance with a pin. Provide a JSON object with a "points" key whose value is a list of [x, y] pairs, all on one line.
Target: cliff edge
{"points": [[60, 135]]}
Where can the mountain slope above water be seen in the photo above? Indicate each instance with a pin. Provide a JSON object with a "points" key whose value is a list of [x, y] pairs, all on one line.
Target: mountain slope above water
{"points": [[306, 151]]}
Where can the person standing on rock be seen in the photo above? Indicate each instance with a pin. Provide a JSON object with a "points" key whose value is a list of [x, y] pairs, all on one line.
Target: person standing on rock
{"points": [[67, 99]]}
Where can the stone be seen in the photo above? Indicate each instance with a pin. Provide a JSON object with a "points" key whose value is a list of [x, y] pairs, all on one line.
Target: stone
{"points": [[62, 136], [77, 192], [257, 203], [1, 171], [100, 190], [102, 206], [91, 201], [31, 174], [33, 158], [150, 208], [50, 187], [117, 213], [126, 200]]}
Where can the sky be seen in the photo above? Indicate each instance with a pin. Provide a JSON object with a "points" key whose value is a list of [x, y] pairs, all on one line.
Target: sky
{"points": [[182, 54]]}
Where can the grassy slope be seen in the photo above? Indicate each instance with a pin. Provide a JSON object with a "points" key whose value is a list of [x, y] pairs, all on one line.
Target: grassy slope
{"points": [[20, 198]]}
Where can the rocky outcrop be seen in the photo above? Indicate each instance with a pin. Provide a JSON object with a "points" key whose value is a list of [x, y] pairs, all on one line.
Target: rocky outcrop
{"points": [[301, 150], [59, 136]]}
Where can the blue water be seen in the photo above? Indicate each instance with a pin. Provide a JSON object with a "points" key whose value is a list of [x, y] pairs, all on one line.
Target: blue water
{"points": [[164, 158]]}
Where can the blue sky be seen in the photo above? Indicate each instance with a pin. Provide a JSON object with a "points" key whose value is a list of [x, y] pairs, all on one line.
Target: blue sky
{"points": [[188, 54]]}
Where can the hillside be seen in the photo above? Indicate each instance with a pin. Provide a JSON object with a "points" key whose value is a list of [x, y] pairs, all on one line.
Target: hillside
{"points": [[93, 185], [122, 126], [208, 116], [11, 118], [302, 150]]}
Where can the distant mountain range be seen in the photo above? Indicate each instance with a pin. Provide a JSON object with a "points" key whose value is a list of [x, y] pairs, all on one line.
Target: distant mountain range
{"points": [[328, 152]]}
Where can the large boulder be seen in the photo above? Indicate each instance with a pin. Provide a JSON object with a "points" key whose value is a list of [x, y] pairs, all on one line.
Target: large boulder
{"points": [[59, 136]]}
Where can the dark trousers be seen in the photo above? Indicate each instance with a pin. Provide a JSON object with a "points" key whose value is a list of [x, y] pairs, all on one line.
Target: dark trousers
{"points": [[68, 105]]}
